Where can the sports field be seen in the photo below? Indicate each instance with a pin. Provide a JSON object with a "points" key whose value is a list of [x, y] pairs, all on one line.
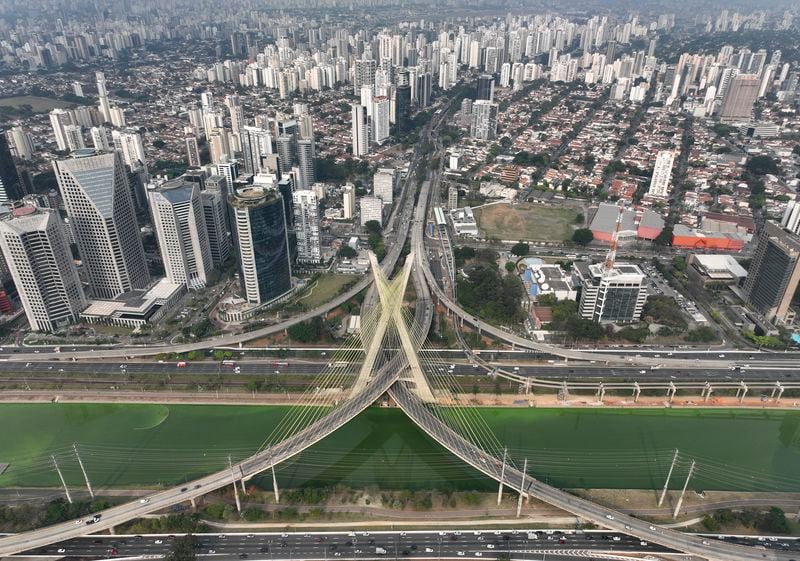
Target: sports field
{"points": [[144, 445], [525, 221], [38, 104]]}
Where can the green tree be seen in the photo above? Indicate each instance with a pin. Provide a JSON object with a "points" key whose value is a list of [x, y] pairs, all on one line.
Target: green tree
{"points": [[520, 249], [773, 521], [373, 227], [182, 549], [762, 165], [582, 236], [679, 263], [347, 252], [307, 331], [511, 266], [664, 238]]}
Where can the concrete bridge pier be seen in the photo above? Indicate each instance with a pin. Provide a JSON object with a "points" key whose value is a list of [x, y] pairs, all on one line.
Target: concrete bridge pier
{"points": [[601, 392], [671, 392], [742, 391], [636, 392], [777, 389], [193, 502], [706, 393]]}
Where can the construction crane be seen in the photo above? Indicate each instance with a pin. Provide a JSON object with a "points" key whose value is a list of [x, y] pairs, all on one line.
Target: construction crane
{"points": [[611, 256]]}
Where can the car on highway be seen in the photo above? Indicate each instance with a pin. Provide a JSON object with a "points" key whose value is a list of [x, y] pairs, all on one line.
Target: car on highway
{"points": [[461, 554], [610, 517], [428, 550], [158, 542], [61, 550], [212, 550], [144, 501]]}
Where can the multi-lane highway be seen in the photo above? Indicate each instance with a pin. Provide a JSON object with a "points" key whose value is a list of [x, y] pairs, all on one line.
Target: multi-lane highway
{"points": [[363, 545]]}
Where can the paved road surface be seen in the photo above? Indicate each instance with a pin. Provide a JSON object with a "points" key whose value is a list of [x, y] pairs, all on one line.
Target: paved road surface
{"points": [[326, 545]]}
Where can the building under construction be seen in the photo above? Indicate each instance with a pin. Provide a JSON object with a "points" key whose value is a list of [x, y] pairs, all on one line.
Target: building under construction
{"points": [[610, 291]]}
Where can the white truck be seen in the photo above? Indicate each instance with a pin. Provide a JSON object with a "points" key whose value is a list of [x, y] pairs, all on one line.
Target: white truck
{"points": [[380, 551]]}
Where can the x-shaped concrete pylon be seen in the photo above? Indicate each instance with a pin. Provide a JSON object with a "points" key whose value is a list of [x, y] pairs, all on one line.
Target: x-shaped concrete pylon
{"points": [[391, 302]]}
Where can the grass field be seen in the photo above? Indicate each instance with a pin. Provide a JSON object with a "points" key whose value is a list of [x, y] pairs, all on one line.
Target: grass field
{"points": [[325, 289], [38, 104], [525, 222], [125, 445]]}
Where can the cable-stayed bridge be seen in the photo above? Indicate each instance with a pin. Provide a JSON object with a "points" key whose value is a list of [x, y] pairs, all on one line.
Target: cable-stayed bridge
{"points": [[394, 362]]}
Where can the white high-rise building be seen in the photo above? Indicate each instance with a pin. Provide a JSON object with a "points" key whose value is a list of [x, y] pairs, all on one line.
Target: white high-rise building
{"points": [[100, 138], [234, 105], [129, 145], [37, 254], [20, 142], [256, 143], [74, 137], [102, 94], [306, 226], [380, 119], [360, 130], [98, 200], [179, 222], [371, 209], [383, 185], [484, 120], [348, 201], [192, 148], [791, 217], [60, 118], [662, 173]]}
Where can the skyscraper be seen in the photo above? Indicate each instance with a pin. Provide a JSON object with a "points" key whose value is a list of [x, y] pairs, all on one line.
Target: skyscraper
{"points": [[383, 185], [662, 173], [214, 210], [102, 94], [740, 96], [98, 200], [11, 188], [485, 87], [348, 201], [192, 148], [263, 245], [305, 163], [20, 142], [380, 119], [306, 226], [363, 74], [774, 274], [484, 120], [60, 118], [234, 105], [360, 130], [179, 222], [256, 143], [100, 138], [37, 253]]}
